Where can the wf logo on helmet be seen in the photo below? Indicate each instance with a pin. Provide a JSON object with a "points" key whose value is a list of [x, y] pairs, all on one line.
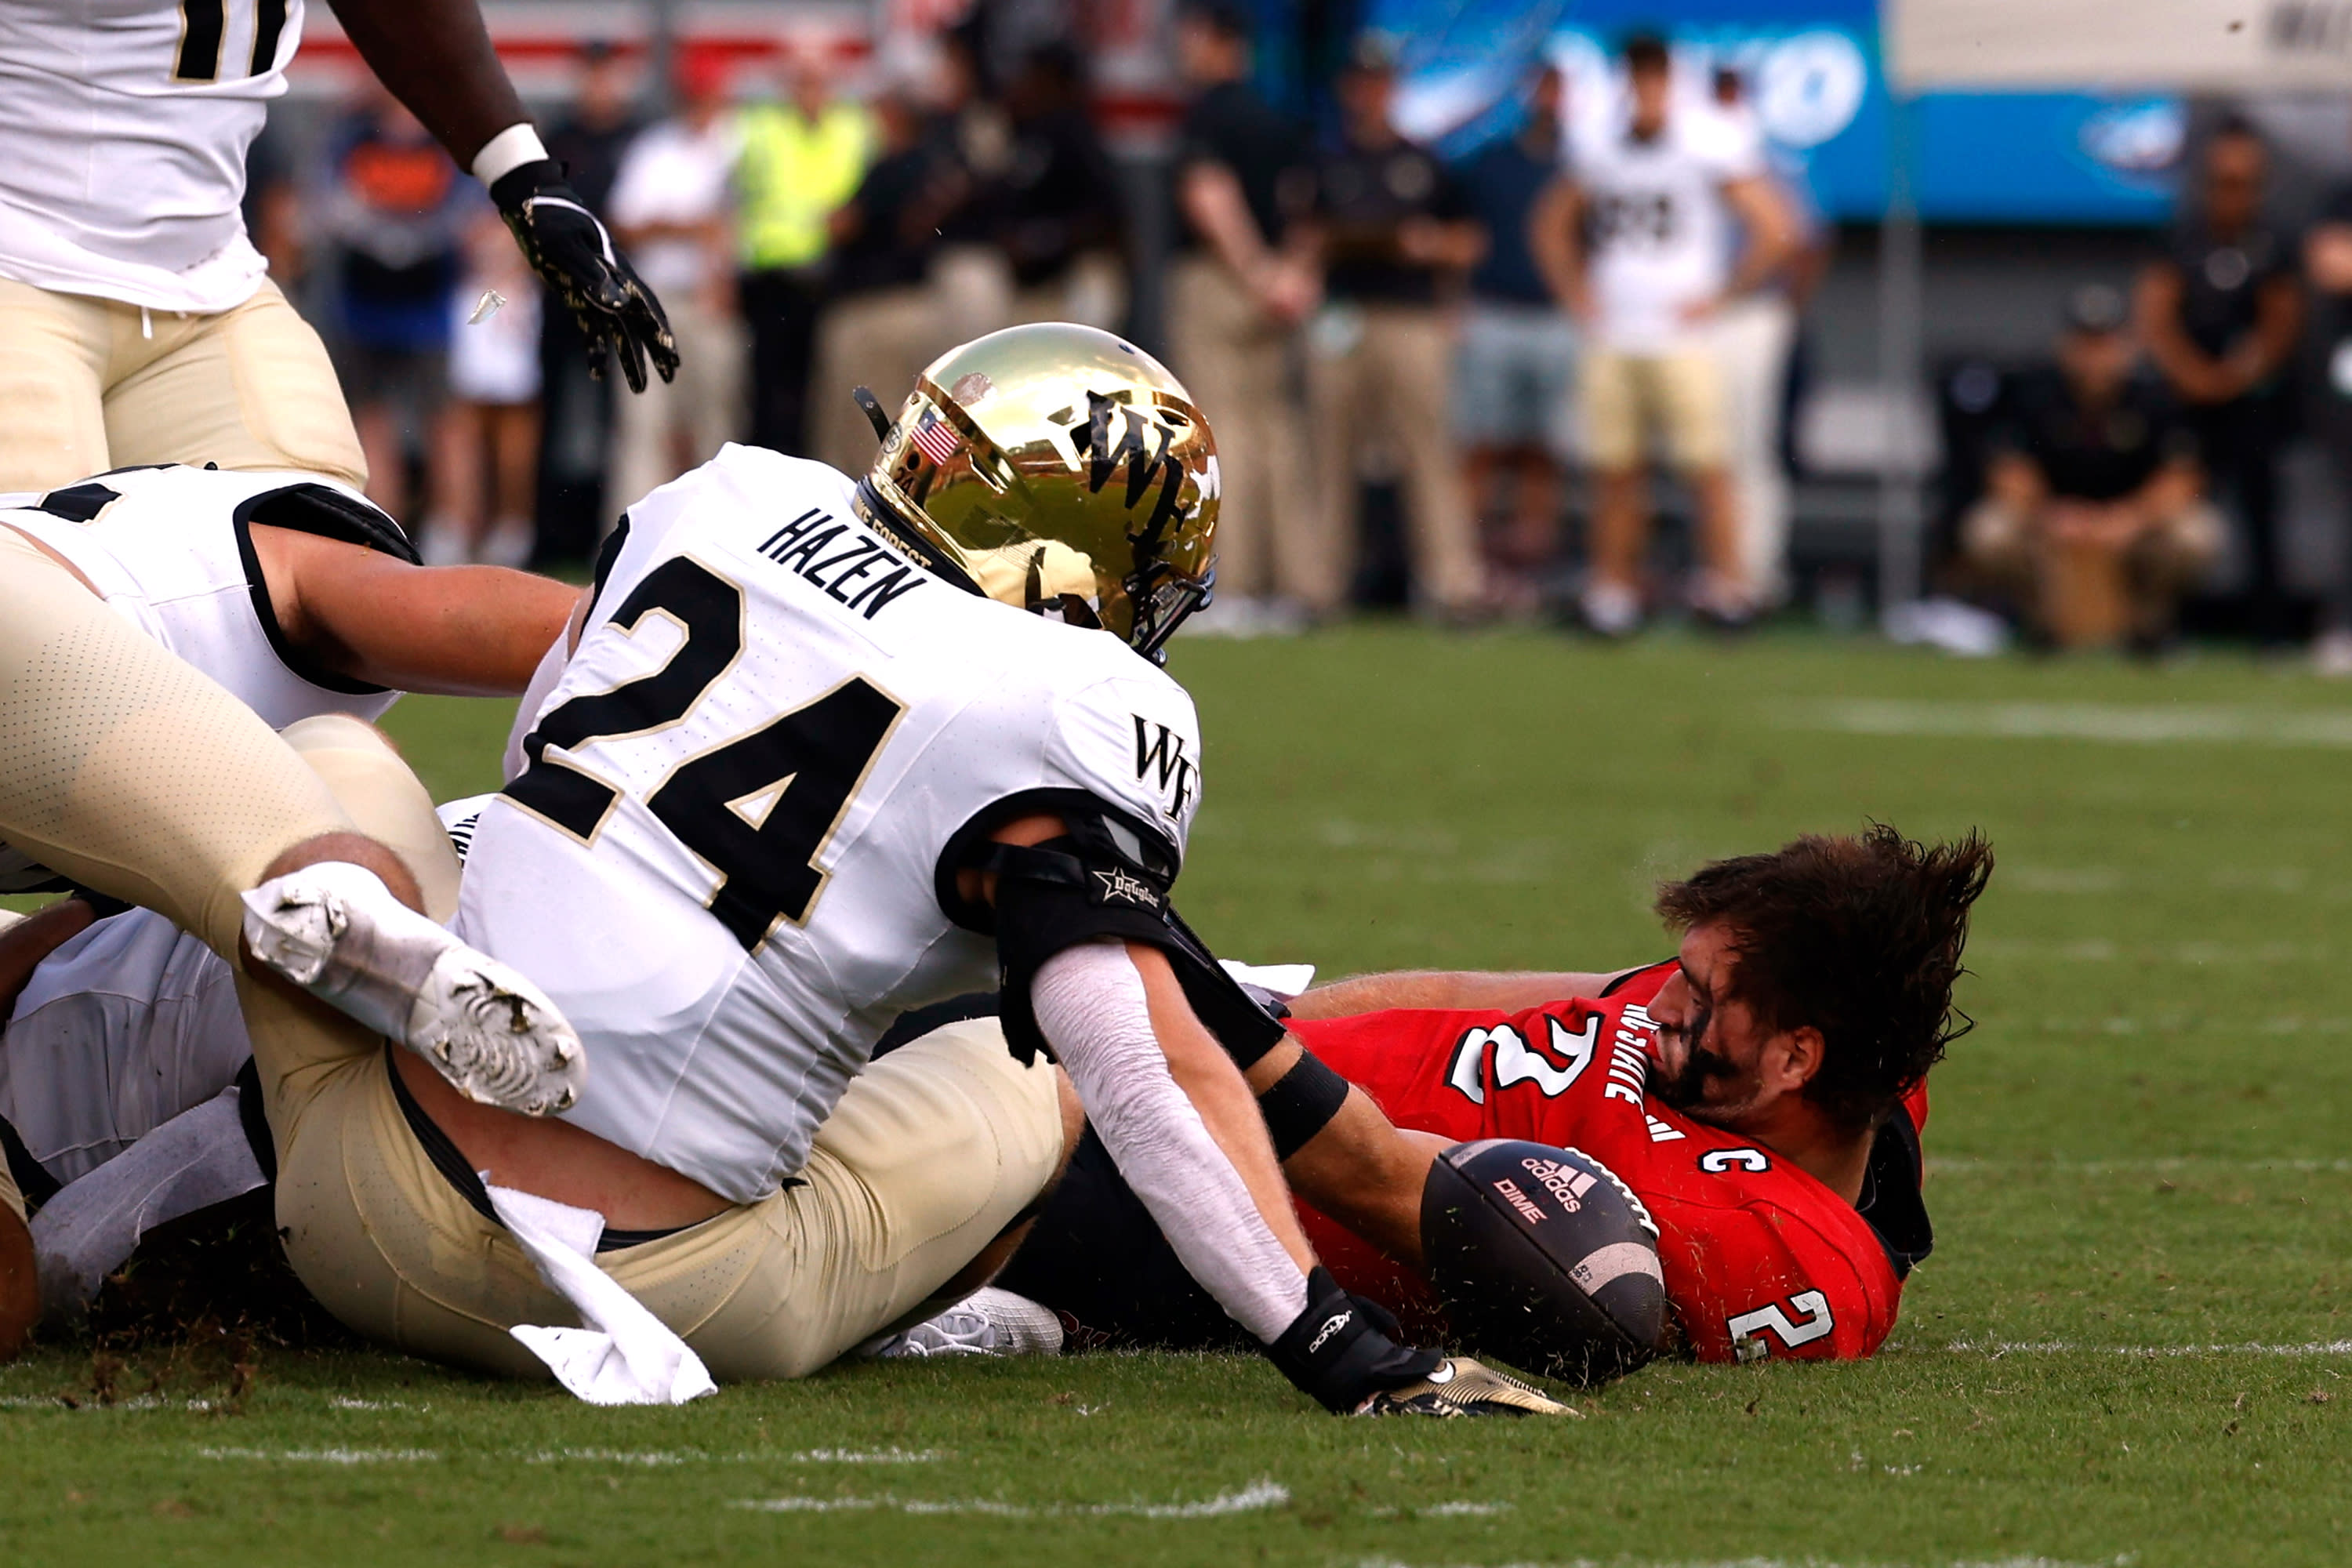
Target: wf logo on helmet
{"points": [[1134, 444]]}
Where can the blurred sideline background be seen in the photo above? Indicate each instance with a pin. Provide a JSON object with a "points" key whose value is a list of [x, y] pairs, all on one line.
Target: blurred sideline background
{"points": [[1959, 218]]}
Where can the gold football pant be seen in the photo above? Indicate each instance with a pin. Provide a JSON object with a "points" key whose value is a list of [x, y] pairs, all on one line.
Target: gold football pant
{"points": [[87, 385], [129, 770], [932, 1153]]}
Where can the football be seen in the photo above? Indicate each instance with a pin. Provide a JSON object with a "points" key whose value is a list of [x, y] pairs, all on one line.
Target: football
{"points": [[1543, 1259]]}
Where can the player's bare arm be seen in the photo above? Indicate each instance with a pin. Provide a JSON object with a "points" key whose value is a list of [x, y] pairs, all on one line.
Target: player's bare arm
{"points": [[1198, 1063], [435, 55], [1449, 989], [1360, 1168], [462, 631]]}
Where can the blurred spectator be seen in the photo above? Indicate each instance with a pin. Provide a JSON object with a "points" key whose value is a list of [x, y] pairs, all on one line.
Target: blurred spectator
{"points": [[395, 208], [1640, 251], [2220, 314], [1060, 222], [575, 433], [486, 455], [2094, 516], [972, 278], [1396, 233], [671, 207], [1518, 350], [1755, 334], [801, 159], [1243, 278], [2327, 262], [882, 324]]}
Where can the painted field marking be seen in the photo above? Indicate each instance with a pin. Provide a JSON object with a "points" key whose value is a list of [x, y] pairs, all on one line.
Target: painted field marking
{"points": [[2174, 1164], [323, 1456], [1257, 1496], [654, 1458], [86, 1402], [1997, 1348], [2108, 724], [2123, 1560]]}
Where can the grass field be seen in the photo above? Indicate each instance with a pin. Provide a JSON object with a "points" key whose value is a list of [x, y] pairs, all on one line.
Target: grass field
{"points": [[2130, 1346]]}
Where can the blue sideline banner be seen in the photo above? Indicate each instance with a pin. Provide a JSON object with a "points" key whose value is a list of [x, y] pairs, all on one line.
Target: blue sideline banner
{"points": [[1813, 75]]}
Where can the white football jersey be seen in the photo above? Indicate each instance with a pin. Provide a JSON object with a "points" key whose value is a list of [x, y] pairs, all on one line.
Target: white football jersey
{"points": [[724, 857], [126, 1025], [169, 550], [122, 1028], [1656, 221], [122, 157]]}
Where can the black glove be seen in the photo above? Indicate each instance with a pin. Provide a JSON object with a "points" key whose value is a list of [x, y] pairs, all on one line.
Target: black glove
{"points": [[1342, 1349], [569, 247]]}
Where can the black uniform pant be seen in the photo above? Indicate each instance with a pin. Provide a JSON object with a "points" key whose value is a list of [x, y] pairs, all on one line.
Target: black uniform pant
{"points": [[781, 307], [2239, 443]]}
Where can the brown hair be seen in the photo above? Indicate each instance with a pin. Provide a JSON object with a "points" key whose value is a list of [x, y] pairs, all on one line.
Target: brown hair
{"points": [[1857, 937]]}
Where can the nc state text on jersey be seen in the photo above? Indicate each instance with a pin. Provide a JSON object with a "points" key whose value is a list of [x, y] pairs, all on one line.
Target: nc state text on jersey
{"points": [[833, 555]]}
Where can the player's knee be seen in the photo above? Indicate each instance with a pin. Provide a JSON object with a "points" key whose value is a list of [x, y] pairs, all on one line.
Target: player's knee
{"points": [[356, 849]]}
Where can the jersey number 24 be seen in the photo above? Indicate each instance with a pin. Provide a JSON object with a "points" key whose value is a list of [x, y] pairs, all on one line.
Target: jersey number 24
{"points": [[760, 808]]}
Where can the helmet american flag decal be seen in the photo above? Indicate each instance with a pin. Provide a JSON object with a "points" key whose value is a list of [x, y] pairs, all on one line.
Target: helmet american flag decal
{"points": [[936, 438]]}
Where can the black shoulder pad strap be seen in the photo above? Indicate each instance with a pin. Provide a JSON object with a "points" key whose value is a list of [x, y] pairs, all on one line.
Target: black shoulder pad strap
{"points": [[1108, 878], [1054, 895]]}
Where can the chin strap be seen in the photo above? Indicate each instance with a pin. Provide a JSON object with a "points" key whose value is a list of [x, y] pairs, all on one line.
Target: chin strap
{"points": [[909, 542]]}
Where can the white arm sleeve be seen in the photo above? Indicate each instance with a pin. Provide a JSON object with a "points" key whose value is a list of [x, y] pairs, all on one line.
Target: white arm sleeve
{"points": [[1091, 1009]]}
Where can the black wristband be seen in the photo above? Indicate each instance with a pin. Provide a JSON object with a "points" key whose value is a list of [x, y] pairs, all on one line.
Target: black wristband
{"points": [[1341, 1350], [1301, 1103]]}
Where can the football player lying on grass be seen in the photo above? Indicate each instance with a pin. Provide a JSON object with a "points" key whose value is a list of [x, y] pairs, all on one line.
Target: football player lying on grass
{"points": [[1761, 1094]]}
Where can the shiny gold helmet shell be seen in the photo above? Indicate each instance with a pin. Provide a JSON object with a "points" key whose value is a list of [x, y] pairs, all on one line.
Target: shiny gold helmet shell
{"points": [[1061, 469]]}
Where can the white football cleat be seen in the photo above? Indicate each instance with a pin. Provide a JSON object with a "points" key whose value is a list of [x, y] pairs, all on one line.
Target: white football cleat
{"points": [[335, 930], [989, 1322]]}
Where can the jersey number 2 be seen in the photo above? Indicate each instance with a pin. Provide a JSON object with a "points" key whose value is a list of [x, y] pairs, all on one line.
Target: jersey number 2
{"points": [[759, 808]]}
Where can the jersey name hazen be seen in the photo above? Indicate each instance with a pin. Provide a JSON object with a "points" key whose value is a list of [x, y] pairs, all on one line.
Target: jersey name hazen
{"points": [[833, 555]]}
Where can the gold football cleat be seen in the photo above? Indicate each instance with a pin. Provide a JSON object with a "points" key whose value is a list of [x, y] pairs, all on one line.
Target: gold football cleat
{"points": [[1460, 1386]]}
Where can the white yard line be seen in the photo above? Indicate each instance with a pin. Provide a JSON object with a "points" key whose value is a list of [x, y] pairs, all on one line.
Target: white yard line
{"points": [[655, 1459], [322, 1455], [2109, 723], [2124, 1560], [1252, 1498], [1999, 1348], [2175, 1164]]}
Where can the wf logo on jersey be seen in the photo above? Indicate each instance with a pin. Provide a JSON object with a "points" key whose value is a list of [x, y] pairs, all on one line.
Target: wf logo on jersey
{"points": [[1161, 762], [1141, 444]]}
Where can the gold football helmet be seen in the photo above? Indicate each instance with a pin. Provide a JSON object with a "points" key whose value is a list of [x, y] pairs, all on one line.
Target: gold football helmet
{"points": [[1059, 470]]}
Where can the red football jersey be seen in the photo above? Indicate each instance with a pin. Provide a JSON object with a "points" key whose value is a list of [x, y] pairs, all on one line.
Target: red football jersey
{"points": [[1760, 1258]]}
